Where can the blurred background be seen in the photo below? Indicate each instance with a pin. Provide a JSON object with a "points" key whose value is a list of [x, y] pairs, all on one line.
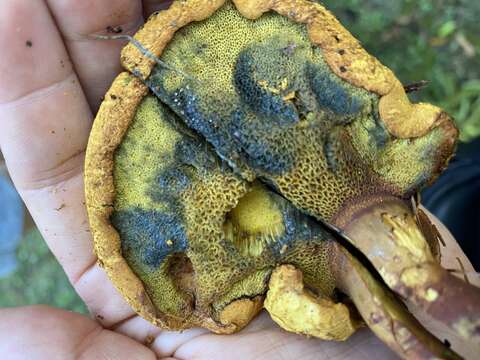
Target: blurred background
{"points": [[433, 40]]}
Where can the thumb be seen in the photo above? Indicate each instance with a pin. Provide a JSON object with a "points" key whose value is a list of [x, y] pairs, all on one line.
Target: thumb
{"points": [[59, 334]]}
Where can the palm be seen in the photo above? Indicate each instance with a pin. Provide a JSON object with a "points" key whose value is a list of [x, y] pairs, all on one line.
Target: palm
{"points": [[53, 76]]}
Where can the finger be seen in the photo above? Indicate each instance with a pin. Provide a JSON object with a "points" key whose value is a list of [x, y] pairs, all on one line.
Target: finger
{"points": [[452, 256], [106, 304], [451, 251], [96, 62], [44, 131], [46, 333], [163, 343], [151, 6], [44, 128], [279, 344], [45, 122], [473, 277]]}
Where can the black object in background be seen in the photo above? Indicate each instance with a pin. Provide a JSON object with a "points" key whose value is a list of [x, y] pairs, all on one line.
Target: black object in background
{"points": [[455, 199]]}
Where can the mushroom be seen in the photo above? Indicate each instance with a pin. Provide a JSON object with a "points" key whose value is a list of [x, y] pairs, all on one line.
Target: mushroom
{"points": [[254, 155]]}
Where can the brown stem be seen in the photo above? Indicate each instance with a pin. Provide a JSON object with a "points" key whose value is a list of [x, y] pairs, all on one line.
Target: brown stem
{"points": [[387, 234], [388, 318]]}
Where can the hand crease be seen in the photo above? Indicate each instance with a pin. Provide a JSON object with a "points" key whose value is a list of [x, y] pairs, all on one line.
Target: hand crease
{"points": [[75, 279], [87, 342], [65, 170], [119, 323], [38, 93], [180, 346]]}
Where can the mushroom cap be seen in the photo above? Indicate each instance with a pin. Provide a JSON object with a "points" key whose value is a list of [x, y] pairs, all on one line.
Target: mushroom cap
{"points": [[181, 223]]}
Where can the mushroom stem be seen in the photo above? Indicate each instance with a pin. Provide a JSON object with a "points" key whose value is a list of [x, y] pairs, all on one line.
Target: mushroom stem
{"points": [[385, 315], [388, 235]]}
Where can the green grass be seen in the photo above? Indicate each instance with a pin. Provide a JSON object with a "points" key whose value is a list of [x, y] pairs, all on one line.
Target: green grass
{"points": [[434, 40], [39, 279]]}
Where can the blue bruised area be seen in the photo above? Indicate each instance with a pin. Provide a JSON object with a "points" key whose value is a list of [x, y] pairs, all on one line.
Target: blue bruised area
{"points": [[238, 136], [151, 234], [257, 140], [379, 135], [174, 179], [275, 87], [190, 157], [260, 99], [195, 154], [185, 104], [330, 94]]}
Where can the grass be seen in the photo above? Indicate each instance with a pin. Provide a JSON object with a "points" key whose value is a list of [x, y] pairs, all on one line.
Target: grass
{"points": [[39, 279], [434, 40]]}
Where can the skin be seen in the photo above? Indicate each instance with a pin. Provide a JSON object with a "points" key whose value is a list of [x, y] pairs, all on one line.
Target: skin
{"points": [[49, 92]]}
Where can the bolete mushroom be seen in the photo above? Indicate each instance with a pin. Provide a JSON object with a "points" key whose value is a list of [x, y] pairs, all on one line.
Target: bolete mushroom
{"points": [[253, 155]]}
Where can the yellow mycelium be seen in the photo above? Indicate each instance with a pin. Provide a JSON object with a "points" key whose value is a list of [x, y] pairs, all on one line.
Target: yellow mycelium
{"points": [[255, 221]]}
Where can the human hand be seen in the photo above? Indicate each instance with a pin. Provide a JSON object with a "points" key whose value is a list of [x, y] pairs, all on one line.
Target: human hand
{"points": [[52, 79]]}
